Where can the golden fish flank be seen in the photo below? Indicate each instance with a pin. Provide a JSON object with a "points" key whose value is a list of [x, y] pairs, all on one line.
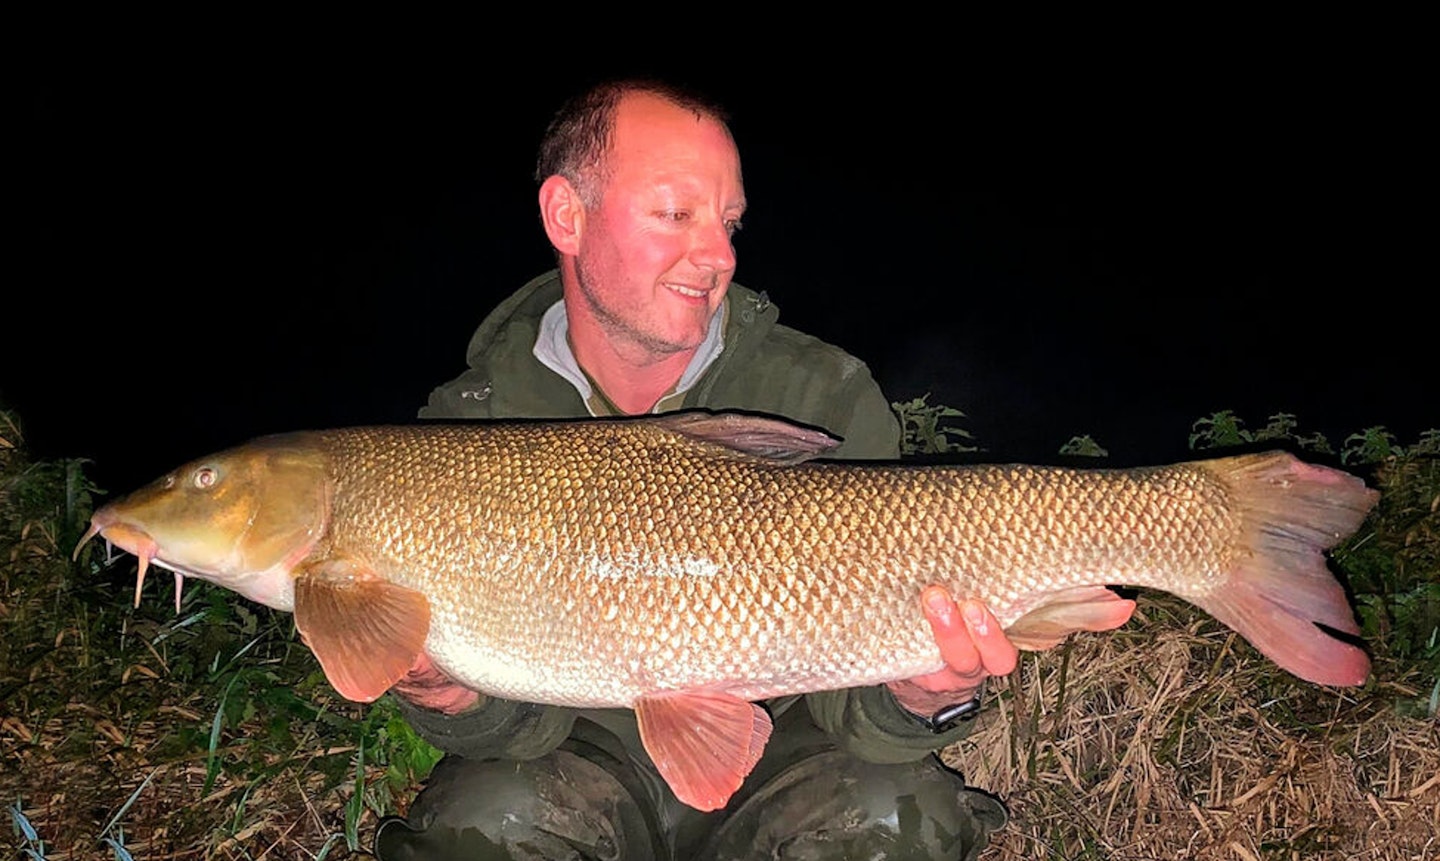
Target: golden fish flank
{"points": [[687, 564]]}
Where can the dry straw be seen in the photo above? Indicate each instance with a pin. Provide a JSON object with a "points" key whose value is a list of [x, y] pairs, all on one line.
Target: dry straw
{"points": [[1174, 739]]}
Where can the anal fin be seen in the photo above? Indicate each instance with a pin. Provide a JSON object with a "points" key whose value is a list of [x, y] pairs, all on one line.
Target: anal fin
{"points": [[1085, 608], [366, 632], [702, 743]]}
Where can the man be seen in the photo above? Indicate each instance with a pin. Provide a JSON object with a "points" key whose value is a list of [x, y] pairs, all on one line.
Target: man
{"points": [[640, 195]]}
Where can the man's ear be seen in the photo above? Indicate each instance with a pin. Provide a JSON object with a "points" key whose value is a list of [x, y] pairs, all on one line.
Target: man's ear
{"points": [[562, 213]]}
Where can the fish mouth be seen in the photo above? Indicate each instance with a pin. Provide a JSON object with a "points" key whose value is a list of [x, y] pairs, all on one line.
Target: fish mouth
{"points": [[131, 539]]}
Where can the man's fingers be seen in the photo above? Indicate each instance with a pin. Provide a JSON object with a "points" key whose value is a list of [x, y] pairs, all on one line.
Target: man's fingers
{"points": [[970, 637], [952, 633], [997, 654], [425, 685]]}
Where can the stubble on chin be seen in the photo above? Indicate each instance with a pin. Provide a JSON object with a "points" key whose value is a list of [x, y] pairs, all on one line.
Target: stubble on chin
{"points": [[624, 329]]}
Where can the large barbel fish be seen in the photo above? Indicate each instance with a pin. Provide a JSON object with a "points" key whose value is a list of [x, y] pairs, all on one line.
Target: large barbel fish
{"points": [[687, 565]]}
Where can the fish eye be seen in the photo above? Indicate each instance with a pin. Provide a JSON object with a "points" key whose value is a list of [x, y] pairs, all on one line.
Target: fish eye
{"points": [[205, 476]]}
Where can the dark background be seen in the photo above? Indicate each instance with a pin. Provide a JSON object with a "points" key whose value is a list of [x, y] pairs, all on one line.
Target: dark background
{"points": [[202, 253]]}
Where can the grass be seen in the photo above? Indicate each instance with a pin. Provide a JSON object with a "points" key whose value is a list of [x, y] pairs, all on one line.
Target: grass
{"points": [[211, 733], [1173, 738]]}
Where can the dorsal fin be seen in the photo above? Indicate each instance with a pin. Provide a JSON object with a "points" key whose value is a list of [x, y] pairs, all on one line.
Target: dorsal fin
{"points": [[760, 436]]}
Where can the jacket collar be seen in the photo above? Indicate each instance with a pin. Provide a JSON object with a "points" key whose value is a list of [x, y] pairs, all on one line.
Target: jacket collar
{"points": [[552, 349], [504, 347]]}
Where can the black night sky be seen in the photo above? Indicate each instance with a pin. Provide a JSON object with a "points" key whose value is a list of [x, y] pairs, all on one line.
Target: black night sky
{"points": [[201, 255]]}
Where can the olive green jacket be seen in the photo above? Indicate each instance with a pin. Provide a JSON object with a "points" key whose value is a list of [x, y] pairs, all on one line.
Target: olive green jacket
{"points": [[764, 367]]}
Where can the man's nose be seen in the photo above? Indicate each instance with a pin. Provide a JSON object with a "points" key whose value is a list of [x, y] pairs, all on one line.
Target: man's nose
{"points": [[713, 249]]}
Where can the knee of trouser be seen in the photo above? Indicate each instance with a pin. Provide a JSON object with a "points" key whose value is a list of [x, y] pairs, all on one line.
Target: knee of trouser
{"points": [[832, 805], [556, 806]]}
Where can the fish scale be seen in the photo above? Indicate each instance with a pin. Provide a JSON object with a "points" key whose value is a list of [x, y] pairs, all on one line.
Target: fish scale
{"points": [[740, 568]]}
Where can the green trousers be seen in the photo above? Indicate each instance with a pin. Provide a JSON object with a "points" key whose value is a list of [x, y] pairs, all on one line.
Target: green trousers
{"points": [[597, 796]]}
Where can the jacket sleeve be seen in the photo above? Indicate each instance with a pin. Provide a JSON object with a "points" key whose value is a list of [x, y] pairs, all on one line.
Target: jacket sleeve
{"points": [[492, 729], [868, 722], [866, 423]]}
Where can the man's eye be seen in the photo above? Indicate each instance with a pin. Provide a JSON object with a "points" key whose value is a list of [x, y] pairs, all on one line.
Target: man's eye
{"points": [[733, 226], [676, 215]]}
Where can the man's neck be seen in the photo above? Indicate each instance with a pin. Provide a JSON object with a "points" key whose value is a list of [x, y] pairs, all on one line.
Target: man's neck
{"points": [[631, 379]]}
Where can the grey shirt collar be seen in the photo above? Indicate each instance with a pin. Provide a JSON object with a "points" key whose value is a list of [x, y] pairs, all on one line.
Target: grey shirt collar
{"points": [[552, 349]]}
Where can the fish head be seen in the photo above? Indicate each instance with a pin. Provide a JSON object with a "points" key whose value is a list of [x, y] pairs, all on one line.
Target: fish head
{"points": [[242, 519]]}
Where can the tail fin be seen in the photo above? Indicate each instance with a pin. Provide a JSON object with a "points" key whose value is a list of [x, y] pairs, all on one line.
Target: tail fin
{"points": [[1279, 586]]}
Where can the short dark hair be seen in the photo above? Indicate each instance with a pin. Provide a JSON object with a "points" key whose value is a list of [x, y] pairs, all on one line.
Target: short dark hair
{"points": [[579, 136]]}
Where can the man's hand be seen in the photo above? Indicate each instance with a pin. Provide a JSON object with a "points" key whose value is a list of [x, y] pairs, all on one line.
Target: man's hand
{"points": [[428, 687], [973, 646]]}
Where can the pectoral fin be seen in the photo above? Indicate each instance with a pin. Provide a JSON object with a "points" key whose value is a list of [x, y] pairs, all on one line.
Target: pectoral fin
{"points": [[1087, 608], [366, 632], [703, 744]]}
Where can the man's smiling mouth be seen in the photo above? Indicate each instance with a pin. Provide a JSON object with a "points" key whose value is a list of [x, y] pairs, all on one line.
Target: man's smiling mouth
{"points": [[687, 291]]}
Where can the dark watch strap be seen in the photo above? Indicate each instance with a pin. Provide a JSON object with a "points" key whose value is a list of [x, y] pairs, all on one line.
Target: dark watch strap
{"points": [[946, 718]]}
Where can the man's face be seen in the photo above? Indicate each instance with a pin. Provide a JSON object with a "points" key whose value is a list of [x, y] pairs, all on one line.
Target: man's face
{"points": [[654, 259]]}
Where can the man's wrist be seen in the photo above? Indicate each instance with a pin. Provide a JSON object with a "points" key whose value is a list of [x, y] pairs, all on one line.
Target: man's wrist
{"points": [[948, 717]]}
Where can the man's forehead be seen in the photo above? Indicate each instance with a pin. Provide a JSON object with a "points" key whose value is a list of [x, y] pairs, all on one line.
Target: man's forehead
{"points": [[644, 105], [648, 124]]}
